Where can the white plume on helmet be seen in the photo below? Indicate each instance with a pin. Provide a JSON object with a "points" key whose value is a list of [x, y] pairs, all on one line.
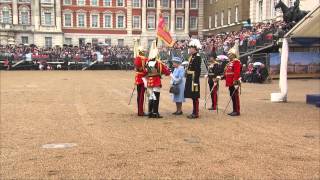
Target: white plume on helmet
{"points": [[195, 43], [153, 53]]}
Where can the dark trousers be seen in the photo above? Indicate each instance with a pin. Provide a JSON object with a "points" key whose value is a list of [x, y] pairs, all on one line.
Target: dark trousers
{"points": [[154, 104], [140, 98], [195, 102], [234, 94], [214, 94]]}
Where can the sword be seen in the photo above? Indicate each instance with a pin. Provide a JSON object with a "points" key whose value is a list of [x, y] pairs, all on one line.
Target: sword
{"points": [[230, 98], [218, 96], [209, 95], [205, 93], [134, 88]]}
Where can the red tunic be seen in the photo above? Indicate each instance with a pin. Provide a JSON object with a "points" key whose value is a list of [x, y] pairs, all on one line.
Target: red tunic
{"points": [[154, 78], [232, 72], [139, 64]]}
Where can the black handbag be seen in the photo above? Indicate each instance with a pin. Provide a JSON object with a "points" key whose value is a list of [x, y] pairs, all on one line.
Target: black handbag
{"points": [[174, 89]]}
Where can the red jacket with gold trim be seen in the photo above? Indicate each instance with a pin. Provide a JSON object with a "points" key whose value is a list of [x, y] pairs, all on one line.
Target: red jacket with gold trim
{"points": [[232, 72], [139, 64], [155, 70]]}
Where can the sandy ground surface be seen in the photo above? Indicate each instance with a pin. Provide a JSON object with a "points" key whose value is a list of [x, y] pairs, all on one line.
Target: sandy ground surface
{"points": [[268, 141]]}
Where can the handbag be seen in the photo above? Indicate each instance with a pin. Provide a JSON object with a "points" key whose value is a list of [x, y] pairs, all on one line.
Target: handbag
{"points": [[174, 89]]}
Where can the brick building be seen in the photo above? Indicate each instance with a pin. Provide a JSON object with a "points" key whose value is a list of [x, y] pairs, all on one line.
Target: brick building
{"points": [[115, 22]]}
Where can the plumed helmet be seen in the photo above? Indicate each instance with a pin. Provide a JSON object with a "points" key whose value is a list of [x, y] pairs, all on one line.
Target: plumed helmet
{"points": [[141, 49], [195, 43], [232, 51], [153, 53]]}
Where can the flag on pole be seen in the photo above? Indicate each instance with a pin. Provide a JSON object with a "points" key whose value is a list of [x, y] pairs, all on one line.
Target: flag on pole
{"points": [[163, 32]]}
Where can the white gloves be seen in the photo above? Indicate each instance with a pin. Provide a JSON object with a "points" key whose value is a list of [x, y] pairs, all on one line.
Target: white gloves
{"points": [[144, 82]]}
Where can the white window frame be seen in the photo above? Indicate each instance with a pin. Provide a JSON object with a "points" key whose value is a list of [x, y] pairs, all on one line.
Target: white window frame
{"points": [[84, 19], [176, 5], [65, 41], [105, 5], [84, 3], [196, 22], [154, 4], [27, 37], [236, 16], [91, 20], [44, 19], [64, 19], [167, 16], [229, 16], [124, 21], [93, 4], [24, 9], [10, 14], [133, 18], [45, 42], [168, 6], [64, 2], [123, 3], [222, 18], [216, 16], [104, 20], [197, 4], [133, 3], [154, 21], [182, 21]]}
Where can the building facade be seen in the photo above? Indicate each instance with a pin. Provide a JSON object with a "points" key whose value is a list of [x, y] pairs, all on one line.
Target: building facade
{"points": [[118, 22], [224, 15], [115, 22], [31, 22], [263, 10]]}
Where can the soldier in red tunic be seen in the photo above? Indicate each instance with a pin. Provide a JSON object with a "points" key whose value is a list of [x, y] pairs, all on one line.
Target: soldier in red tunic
{"points": [[155, 69], [139, 63], [232, 76]]}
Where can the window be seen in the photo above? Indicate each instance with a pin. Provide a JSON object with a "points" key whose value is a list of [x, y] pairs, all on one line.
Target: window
{"points": [[260, 10], [165, 3], [24, 18], [150, 43], [108, 41], [216, 20], [194, 4], [237, 14], [151, 3], [67, 20], [151, 21], [81, 2], [107, 2], [47, 19], [120, 3], [210, 22], [136, 3], [179, 4], [229, 16], [48, 42], [222, 17], [94, 41], [94, 2], [81, 18], [136, 22], [193, 22], [67, 2], [166, 19], [24, 40], [94, 20], [120, 21], [68, 41], [108, 21], [6, 15], [179, 22], [120, 42]]}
